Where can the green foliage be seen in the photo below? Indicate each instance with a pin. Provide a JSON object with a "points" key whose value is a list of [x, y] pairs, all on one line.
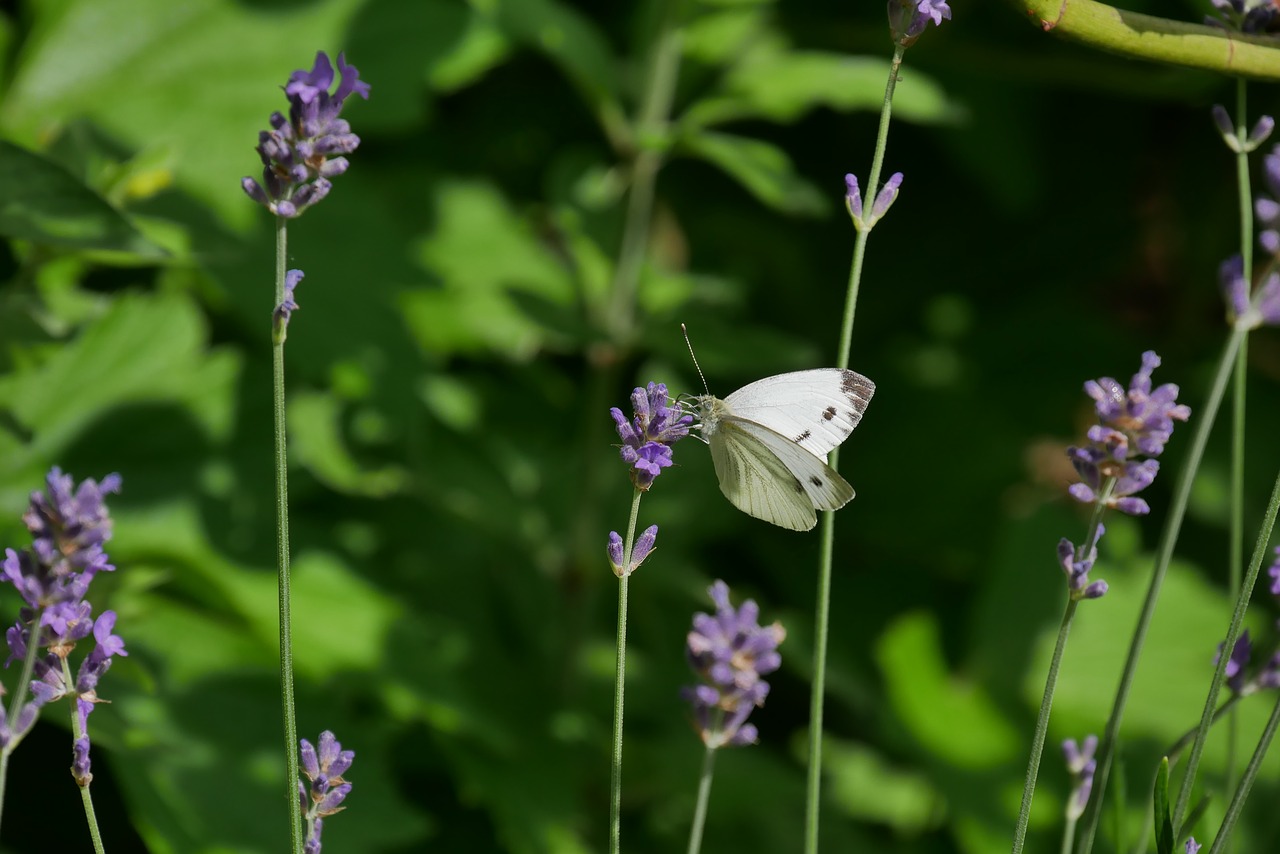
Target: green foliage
{"points": [[453, 470], [1163, 819]]}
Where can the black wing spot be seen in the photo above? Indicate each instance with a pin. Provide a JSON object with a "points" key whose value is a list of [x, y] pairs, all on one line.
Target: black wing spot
{"points": [[829, 413], [805, 435], [816, 481]]}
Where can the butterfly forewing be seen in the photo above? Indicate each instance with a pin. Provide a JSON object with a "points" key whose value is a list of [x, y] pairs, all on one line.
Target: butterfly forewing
{"points": [[816, 409]]}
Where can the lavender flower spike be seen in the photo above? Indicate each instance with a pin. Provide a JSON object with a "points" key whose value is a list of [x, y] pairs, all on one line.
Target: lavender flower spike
{"points": [[323, 767], [909, 18], [1193, 847], [730, 652], [1132, 423], [647, 437], [298, 153], [1246, 311], [1077, 569], [1267, 208]]}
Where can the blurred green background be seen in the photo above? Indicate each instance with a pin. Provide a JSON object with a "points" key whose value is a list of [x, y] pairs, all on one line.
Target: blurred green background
{"points": [[453, 469]]}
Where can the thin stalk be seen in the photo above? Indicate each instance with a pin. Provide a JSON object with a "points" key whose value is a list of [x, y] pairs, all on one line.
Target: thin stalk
{"points": [[1235, 557], [704, 795], [1233, 632], [1042, 729], [86, 799], [1168, 539], [619, 684], [15, 705], [655, 108], [1069, 835], [1246, 783], [827, 547], [282, 558]]}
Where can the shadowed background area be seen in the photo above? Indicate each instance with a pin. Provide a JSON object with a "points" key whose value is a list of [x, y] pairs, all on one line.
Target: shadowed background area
{"points": [[454, 471]]}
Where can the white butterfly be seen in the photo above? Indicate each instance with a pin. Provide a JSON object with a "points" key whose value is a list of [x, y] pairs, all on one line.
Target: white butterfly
{"points": [[769, 441]]}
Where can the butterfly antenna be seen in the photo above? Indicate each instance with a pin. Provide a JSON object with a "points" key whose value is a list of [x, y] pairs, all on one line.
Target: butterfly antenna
{"points": [[696, 366]]}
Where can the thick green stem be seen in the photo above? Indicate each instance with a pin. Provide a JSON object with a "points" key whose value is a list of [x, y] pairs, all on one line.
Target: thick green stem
{"points": [[1154, 39], [822, 616], [282, 557]]}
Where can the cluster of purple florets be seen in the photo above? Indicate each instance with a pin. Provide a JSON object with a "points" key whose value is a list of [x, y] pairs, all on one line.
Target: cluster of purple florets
{"points": [[731, 653], [69, 526], [302, 151], [656, 424], [325, 790]]}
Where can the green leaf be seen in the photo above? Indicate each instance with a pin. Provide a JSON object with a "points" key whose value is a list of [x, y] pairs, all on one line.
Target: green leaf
{"points": [[760, 167], [46, 204], [775, 83], [866, 786], [568, 38], [1163, 821], [315, 427]]}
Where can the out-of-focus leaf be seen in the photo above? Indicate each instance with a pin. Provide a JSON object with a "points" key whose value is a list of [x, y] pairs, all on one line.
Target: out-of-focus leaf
{"points": [[760, 167], [567, 37], [44, 203], [315, 427], [775, 83], [482, 47], [953, 720], [482, 253], [156, 73], [145, 349], [865, 786], [720, 36]]}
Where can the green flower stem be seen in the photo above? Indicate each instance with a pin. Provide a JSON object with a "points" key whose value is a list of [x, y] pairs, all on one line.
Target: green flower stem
{"points": [[1041, 730], [1246, 783], [1069, 835], [1220, 671], [650, 129], [1168, 539], [704, 795], [282, 556], [619, 684], [16, 703], [1235, 555], [86, 799], [822, 618], [1154, 39]]}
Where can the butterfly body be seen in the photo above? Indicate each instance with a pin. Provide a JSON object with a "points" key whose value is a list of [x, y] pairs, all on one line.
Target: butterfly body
{"points": [[769, 441]]}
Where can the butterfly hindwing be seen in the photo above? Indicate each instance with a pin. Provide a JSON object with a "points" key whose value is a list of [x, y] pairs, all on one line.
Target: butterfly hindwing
{"points": [[815, 409], [766, 475]]}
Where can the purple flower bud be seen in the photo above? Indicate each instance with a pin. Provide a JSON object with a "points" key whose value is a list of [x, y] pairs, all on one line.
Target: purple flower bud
{"points": [[1193, 847], [1274, 572], [324, 768], [1261, 130], [1077, 569], [1226, 128], [853, 199], [1235, 287], [1238, 661], [888, 193], [644, 545], [614, 550], [1081, 765]]}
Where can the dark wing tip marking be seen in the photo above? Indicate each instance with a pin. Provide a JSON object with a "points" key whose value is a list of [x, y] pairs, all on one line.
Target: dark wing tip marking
{"points": [[829, 413], [805, 435]]}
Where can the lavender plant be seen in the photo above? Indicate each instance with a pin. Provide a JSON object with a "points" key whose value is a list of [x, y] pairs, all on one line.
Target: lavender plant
{"points": [[656, 423], [908, 19], [325, 790], [731, 653], [300, 154], [69, 526], [1118, 461]]}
